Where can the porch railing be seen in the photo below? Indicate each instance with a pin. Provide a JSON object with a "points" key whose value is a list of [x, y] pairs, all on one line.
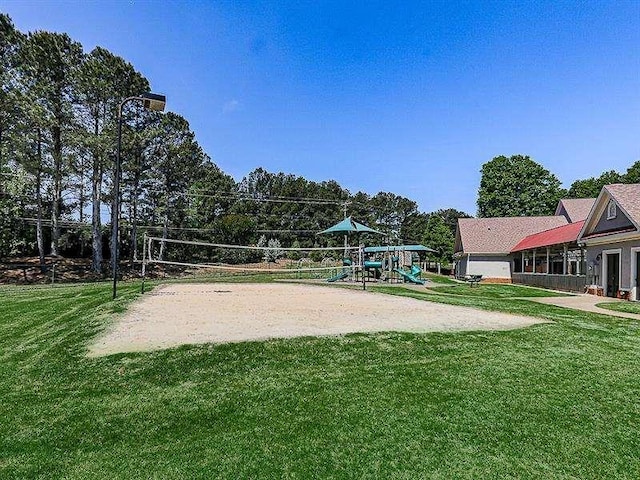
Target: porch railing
{"points": [[567, 283]]}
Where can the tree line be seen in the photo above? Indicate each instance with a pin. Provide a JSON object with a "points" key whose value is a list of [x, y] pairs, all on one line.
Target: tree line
{"points": [[58, 126]]}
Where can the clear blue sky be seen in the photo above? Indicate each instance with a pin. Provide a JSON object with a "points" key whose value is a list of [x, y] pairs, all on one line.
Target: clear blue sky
{"points": [[407, 97]]}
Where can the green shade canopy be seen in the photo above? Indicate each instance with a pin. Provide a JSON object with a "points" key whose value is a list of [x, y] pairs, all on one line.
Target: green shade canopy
{"points": [[398, 248], [348, 225]]}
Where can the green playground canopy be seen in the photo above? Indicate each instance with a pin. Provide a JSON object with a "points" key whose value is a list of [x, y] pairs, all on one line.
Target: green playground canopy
{"points": [[398, 248], [348, 225]]}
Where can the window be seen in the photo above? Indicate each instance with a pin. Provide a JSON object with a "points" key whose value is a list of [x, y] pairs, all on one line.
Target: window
{"points": [[611, 210]]}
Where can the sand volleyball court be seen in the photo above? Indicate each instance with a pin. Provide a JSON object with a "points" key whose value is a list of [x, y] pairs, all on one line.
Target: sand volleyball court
{"points": [[178, 314]]}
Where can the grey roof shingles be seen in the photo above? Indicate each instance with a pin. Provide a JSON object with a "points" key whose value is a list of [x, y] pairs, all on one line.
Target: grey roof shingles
{"points": [[500, 235], [577, 208]]}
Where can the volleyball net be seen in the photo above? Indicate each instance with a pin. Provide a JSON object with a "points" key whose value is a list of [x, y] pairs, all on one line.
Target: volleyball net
{"points": [[204, 258]]}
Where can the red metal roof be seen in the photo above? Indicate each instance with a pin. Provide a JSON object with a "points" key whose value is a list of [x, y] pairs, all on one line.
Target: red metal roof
{"points": [[555, 236]]}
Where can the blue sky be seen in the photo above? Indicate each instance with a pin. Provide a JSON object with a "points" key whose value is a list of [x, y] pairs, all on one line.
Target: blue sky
{"points": [[407, 97]]}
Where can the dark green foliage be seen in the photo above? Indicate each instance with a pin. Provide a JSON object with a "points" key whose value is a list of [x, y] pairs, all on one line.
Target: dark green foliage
{"points": [[590, 187], [392, 212], [558, 400], [633, 173], [438, 236], [450, 217], [439, 232], [517, 186]]}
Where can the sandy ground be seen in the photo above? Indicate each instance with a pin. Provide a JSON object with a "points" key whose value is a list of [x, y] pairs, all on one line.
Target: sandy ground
{"points": [[174, 315]]}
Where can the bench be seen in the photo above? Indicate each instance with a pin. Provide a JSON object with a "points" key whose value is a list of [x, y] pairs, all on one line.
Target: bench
{"points": [[472, 279]]}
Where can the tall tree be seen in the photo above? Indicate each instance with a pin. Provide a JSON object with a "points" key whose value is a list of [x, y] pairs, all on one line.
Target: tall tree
{"points": [[414, 227], [49, 62], [517, 186], [178, 162], [392, 212], [103, 81], [438, 236], [10, 40]]}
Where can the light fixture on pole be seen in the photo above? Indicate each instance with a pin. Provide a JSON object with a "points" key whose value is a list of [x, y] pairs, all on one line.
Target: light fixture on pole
{"points": [[150, 101]]}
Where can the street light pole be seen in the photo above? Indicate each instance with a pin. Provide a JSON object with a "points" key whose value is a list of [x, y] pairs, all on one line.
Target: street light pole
{"points": [[150, 101]]}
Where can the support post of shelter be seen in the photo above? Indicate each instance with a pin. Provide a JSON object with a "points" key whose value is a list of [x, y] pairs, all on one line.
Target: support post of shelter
{"points": [[564, 259], [534, 269], [548, 251]]}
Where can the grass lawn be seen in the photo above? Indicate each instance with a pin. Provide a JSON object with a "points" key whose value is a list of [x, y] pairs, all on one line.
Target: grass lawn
{"points": [[557, 400], [441, 279], [626, 307], [495, 291]]}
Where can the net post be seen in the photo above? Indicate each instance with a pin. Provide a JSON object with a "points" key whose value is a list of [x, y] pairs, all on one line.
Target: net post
{"points": [[144, 259], [361, 255]]}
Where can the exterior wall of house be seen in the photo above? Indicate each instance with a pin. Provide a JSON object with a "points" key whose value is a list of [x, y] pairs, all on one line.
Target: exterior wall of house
{"points": [[596, 264], [620, 222], [461, 266], [562, 211], [496, 267]]}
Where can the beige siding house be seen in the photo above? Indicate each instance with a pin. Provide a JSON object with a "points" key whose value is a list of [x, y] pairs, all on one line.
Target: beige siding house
{"points": [[483, 245], [611, 235]]}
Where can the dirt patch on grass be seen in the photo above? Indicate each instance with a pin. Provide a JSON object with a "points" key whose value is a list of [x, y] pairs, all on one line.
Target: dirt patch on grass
{"points": [[180, 314]]}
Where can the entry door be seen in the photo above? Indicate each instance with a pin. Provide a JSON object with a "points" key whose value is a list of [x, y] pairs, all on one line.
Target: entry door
{"points": [[613, 274]]}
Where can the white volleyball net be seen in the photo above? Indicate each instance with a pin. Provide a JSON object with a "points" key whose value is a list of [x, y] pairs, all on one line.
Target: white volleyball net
{"points": [[173, 257]]}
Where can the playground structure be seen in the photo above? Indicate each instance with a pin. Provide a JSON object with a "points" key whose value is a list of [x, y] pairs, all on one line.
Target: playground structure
{"points": [[389, 263]]}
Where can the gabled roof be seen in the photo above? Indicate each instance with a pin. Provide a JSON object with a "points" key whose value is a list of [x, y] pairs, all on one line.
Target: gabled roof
{"points": [[576, 209], [555, 236], [499, 235], [626, 197]]}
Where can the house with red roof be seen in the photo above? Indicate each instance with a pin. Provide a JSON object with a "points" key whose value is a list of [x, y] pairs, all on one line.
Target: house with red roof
{"points": [[483, 246], [590, 244], [551, 259], [540, 251]]}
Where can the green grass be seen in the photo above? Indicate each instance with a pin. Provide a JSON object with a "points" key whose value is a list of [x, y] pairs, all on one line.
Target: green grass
{"points": [[496, 291], [441, 279], [558, 400], [626, 307]]}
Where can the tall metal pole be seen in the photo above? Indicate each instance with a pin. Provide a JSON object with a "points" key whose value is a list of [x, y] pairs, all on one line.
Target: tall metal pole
{"points": [[150, 101], [115, 213]]}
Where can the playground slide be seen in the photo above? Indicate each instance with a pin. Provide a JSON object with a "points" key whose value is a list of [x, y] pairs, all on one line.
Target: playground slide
{"points": [[409, 277], [340, 276]]}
